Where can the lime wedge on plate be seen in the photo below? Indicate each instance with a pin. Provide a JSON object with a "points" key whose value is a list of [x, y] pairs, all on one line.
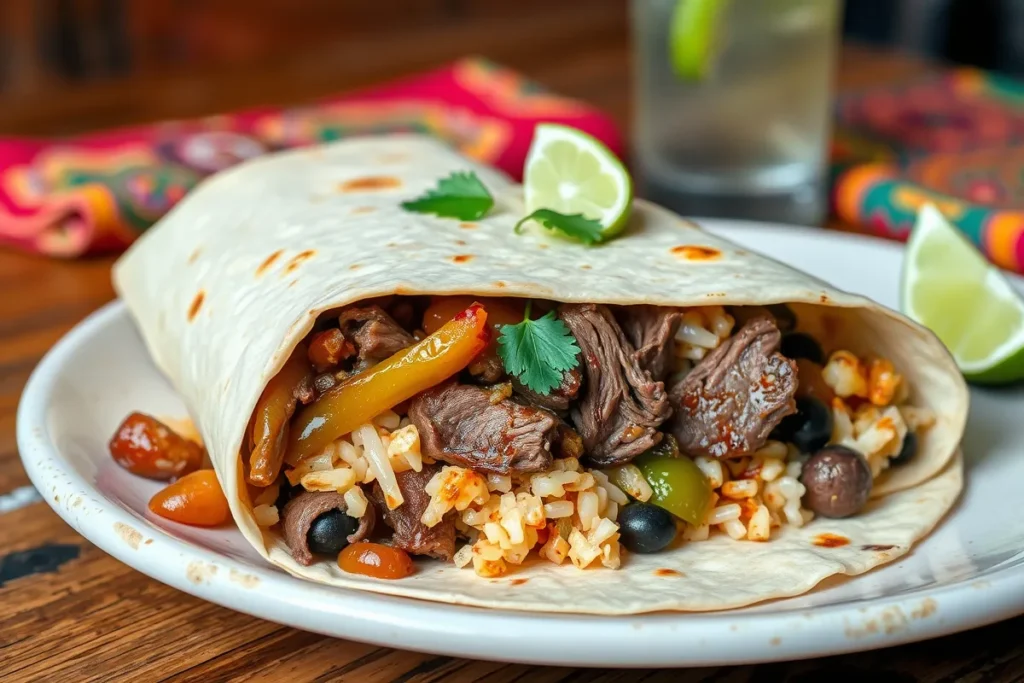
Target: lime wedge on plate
{"points": [[571, 172], [950, 288], [694, 36]]}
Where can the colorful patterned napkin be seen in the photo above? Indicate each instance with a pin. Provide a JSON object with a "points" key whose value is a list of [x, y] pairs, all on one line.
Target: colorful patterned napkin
{"points": [[98, 192], [955, 139]]}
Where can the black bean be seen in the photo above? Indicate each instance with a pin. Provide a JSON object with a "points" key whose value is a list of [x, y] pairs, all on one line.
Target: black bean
{"points": [[838, 482], [810, 427], [645, 528], [798, 345], [328, 535], [907, 451]]}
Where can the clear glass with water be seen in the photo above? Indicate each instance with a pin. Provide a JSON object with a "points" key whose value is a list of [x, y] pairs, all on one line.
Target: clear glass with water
{"points": [[750, 139]]}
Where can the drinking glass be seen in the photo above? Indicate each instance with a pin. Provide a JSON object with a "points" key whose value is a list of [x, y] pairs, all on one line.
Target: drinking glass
{"points": [[749, 139]]}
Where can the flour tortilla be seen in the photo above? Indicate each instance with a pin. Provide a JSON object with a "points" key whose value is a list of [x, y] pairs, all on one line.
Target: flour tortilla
{"points": [[226, 285]]}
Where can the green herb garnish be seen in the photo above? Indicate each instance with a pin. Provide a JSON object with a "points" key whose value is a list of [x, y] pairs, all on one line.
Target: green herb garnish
{"points": [[577, 226], [537, 352], [461, 195]]}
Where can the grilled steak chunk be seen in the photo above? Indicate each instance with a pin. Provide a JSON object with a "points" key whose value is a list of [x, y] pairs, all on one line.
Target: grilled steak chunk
{"points": [[375, 334], [560, 397], [412, 535], [621, 406], [459, 424], [729, 403], [652, 331]]}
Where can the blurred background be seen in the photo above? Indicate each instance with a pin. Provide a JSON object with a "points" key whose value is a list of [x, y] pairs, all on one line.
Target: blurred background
{"points": [[772, 110], [72, 65]]}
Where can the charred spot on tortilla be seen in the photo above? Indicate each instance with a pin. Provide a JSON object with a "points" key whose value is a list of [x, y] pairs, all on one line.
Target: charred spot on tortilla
{"points": [[194, 255], [694, 252], [460, 243], [541, 245], [268, 262], [468, 226], [829, 540], [665, 571], [499, 284], [391, 245], [298, 259], [585, 266], [462, 258], [197, 303], [355, 266], [363, 209], [372, 183], [823, 299], [877, 548], [518, 582]]}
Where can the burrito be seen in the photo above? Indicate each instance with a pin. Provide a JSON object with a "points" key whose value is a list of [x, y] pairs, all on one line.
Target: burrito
{"points": [[464, 412]]}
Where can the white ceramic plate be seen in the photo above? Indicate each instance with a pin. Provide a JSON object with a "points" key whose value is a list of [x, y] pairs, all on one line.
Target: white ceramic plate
{"points": [[969, 573]]}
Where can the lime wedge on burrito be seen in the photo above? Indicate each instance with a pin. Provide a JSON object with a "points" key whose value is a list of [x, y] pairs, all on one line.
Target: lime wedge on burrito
{"points": [[949, 287], [571, 172]]}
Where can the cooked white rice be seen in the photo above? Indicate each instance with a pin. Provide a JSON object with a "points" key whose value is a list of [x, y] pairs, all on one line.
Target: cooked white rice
{"points": [[566, 513]]}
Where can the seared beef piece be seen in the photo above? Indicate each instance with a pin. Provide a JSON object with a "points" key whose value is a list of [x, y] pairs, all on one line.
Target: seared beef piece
{"points": [[729, 403], [412, 535], [620, 407], [560, 397], [305, 391], [302, 509], [651, 330], [375, 333], [459, 425], [487, 367]]}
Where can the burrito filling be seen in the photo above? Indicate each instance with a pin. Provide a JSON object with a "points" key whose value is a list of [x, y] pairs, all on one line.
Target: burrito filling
{"points": [[404, 420]]}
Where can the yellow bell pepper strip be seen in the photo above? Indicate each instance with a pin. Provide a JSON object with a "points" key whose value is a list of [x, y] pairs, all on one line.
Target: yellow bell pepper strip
{"points": [[273, 411], [500, 312], [362, 397]]}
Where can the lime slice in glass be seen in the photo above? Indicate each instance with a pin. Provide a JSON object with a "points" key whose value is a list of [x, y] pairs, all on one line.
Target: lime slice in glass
{"points": [[571, 172], [694, 34], [949, 287]]}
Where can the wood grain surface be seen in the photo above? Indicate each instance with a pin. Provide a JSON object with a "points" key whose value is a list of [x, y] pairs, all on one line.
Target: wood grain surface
{"points": [[68, 612]]}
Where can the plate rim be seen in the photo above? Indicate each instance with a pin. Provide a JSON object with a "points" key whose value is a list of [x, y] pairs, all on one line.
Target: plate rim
{"points": [[652, 640]]}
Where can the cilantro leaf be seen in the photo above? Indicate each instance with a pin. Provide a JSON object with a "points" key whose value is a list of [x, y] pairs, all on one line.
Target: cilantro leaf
{"points": [[538, 351], [461, 195], [586, 230]]}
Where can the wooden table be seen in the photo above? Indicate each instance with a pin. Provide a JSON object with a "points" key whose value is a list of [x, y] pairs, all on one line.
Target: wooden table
{"points": [[70, 612]]}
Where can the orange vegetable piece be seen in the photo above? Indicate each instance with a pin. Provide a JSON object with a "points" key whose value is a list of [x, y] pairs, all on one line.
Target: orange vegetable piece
{"points": [[196, 499], [328, 348], [376, 560], [360, 398], [147, 447], [270, 428], [500, 312]]}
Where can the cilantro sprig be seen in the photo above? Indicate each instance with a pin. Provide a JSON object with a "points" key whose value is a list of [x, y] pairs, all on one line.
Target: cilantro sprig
{"points": [[577, 226], [538, 352], [461, 195]]}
